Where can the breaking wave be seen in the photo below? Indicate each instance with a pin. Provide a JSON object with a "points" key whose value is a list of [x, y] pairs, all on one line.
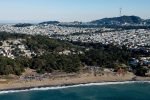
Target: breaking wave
{"points": [[69, 86]]}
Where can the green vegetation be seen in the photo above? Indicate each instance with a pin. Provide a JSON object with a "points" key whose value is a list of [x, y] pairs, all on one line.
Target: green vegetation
{"points": [[51, 62], [10, 66], [110, 56], [40, 44], [23, 25], [48, 59], [141, 71], [5, 36], [104, 55]]}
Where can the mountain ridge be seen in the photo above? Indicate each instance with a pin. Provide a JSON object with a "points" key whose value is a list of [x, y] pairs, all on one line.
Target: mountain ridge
{"points": [[122, 20], [117, 21]]}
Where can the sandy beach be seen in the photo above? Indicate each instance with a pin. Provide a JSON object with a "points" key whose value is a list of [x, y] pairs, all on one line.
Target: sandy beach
{"points": [[82, 78]]}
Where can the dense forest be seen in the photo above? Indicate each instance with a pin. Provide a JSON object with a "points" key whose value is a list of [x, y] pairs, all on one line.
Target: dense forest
{"points": [[48, 58]]}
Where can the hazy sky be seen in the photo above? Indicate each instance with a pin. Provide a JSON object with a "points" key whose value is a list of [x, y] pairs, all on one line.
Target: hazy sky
{"points": [[70, 10]]}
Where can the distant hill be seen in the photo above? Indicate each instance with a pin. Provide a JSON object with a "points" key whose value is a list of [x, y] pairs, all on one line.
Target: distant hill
{"points": [[114, 21], [50, 22], [22, 25], [123, 20], [147, 21]]}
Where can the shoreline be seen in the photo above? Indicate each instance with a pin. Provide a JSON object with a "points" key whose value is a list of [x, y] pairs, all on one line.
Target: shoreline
{"points": [[82, 79], [54, 87]]}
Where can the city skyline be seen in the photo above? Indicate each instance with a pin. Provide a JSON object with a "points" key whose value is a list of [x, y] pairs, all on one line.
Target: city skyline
{"points": [[69, 10]]}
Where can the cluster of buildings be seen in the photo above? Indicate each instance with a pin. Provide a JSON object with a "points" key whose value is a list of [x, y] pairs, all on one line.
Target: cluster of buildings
{"points": [[13, 48], [46, 29], [133, 38]]}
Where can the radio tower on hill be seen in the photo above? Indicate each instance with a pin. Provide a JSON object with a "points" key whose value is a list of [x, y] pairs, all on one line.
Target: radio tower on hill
{"points": [[120, 13]]}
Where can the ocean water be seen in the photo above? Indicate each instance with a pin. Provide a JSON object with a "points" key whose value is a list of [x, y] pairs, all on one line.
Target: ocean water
{"points": [[101, 91]]}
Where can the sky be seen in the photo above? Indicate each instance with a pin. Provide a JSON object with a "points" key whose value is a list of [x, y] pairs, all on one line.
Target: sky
{"points": [[70, 10]]}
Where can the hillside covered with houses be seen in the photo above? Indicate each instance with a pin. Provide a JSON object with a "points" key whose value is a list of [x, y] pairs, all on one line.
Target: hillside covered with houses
{"points": [[46, 55]]}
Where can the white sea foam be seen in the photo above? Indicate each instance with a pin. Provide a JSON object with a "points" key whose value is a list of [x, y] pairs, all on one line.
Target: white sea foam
{"points": [[71, 86]]}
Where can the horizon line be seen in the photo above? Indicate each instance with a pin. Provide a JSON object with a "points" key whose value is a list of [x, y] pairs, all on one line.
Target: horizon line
{"points": [[39, 21]]}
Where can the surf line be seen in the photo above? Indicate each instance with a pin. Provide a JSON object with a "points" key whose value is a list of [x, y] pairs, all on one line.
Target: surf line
{"points": [[44, 88]]}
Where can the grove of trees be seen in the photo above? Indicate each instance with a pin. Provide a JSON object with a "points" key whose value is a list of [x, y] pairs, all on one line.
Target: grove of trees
{"points": [[48, 59]]}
